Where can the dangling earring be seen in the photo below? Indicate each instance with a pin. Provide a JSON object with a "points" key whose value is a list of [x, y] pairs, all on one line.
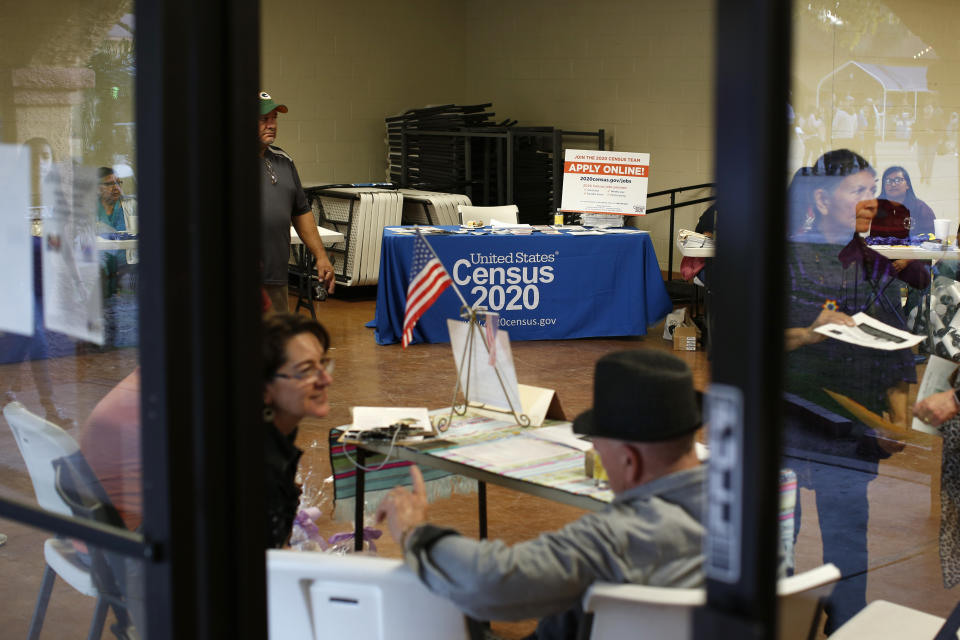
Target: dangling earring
{"points": [[268, 413]]}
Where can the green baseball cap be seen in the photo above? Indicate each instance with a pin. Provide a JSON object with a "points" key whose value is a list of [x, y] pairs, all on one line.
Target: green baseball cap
{"points": [[267, 104]]}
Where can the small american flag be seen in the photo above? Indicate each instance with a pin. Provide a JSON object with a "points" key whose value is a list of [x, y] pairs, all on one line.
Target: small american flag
{"points": [[428, 279]]}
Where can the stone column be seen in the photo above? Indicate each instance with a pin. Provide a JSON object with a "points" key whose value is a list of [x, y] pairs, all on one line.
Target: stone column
{"points": [[44, 99]]}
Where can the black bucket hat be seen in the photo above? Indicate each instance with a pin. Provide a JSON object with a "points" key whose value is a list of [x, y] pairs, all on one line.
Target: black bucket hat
{"points": [[641, 396]]}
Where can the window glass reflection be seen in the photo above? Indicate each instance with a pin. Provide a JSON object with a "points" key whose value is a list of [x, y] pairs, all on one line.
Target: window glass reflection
{"points": [[68, 325], [872, 229]]}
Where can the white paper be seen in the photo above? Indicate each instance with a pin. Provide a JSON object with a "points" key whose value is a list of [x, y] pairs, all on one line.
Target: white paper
{"points": [[509, 225], [484, 386], [73, 302], [870, 332], [366, 418], [935, 379], [605, 182], [16, 247], [561, 434], [512, 451]]}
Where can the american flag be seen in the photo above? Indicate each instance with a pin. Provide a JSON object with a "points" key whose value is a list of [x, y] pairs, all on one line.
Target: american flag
{"points": [[428, 279]]}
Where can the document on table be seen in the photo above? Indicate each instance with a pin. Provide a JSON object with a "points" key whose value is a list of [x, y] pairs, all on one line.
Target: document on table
{"points": [[561, 434], [366, 418], [870, 332], [936, 378], [511, 452]]}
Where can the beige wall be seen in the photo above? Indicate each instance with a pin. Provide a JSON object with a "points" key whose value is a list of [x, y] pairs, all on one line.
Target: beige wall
{"points": [[641, 71], [342, 67]]}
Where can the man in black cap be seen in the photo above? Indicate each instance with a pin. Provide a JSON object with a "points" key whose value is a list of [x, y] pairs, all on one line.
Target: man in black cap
{"points": [[642, 424], [283, 202]]}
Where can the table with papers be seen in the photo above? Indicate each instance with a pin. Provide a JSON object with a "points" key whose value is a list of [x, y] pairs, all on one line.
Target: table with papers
{"points": [[545, 286], [545, 461]]}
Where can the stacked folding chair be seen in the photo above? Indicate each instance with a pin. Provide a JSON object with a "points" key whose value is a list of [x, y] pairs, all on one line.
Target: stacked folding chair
{"points": [[433, 162], [360, 214], [431, 208]]}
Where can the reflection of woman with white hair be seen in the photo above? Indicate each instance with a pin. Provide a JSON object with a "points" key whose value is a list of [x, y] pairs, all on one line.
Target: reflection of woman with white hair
{"points": [[833, 274]]}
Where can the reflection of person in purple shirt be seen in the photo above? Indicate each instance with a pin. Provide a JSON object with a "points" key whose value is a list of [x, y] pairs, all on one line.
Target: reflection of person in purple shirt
{"points": [[833, 274], [897, 187]]}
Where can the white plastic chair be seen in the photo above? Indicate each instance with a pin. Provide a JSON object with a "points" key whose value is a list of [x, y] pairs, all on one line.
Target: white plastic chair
{"points": [[506, 213], [663, 613], [40, 443], [315, 596], [882, 620]]}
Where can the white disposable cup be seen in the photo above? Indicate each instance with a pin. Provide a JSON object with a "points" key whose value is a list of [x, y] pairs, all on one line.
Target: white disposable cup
{"points": [[941, 228]]}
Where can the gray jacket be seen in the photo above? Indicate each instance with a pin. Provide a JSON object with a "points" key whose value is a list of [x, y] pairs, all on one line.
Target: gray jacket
{"points": [[651, 534]]}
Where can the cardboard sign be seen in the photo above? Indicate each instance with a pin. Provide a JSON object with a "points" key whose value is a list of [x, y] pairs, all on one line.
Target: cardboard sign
{"points": [[612, 182]]}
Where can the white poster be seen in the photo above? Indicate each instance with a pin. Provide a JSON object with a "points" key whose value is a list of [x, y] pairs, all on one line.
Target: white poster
{"points": [[613, 182], [485, 387], [16, 254], [73, 302]]}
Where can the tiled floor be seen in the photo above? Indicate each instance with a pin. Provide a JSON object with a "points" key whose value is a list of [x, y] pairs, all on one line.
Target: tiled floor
{"points": [[903, 518]]}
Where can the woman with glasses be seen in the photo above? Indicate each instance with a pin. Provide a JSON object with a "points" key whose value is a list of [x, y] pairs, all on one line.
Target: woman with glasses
{"points": [[897, 187], [296, 375]]}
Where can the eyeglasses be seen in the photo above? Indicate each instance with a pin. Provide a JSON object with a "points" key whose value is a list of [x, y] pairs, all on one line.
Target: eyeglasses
{"points": [[892, 182], [311, 374], [273, 174], [113, 183]]}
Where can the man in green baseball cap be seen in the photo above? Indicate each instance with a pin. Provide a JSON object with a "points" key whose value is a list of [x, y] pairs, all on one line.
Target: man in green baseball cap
{"points": [[283, 203]]}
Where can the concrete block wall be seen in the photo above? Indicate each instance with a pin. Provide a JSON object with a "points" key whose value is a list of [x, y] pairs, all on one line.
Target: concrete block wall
{"points": [[638, 69], [641, 70], [342, 67]]}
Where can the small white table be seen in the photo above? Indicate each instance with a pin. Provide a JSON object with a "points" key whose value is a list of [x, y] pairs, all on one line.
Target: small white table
{"points": [[327, 236]]}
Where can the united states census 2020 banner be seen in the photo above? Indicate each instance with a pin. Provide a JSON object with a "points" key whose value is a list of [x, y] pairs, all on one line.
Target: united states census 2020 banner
{"points": [[545, 287], [605, 182]]}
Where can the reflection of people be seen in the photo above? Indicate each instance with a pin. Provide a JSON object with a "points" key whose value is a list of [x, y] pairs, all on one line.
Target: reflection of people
{"points": [[815, 134], [296, 374], [897, 187], [867, 125], [943, 410], [926, 135], [114, 213], [844, 128], [832, 274], [283, 202], [651, 534]]}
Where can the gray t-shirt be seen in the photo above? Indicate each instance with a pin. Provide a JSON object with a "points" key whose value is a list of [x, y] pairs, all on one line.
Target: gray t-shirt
{"points": [[279, 203]]}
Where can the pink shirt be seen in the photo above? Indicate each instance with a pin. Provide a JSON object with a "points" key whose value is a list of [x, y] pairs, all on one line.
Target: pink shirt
{"points": [[110, 441]]}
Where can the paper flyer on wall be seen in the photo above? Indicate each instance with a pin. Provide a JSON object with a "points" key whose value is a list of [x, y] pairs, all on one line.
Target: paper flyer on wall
{"points": [[938, 377], [16, 257], [73, 302], [870, 332], [611, 182], [484, 385]]}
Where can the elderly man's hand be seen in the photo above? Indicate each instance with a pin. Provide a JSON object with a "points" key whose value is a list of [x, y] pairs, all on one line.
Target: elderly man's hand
{"points": [[937, 408], [325, 272], [403, 510]]}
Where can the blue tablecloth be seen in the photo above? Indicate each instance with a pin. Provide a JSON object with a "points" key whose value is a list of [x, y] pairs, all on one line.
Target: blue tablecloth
{"points": [[545, 287]]}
